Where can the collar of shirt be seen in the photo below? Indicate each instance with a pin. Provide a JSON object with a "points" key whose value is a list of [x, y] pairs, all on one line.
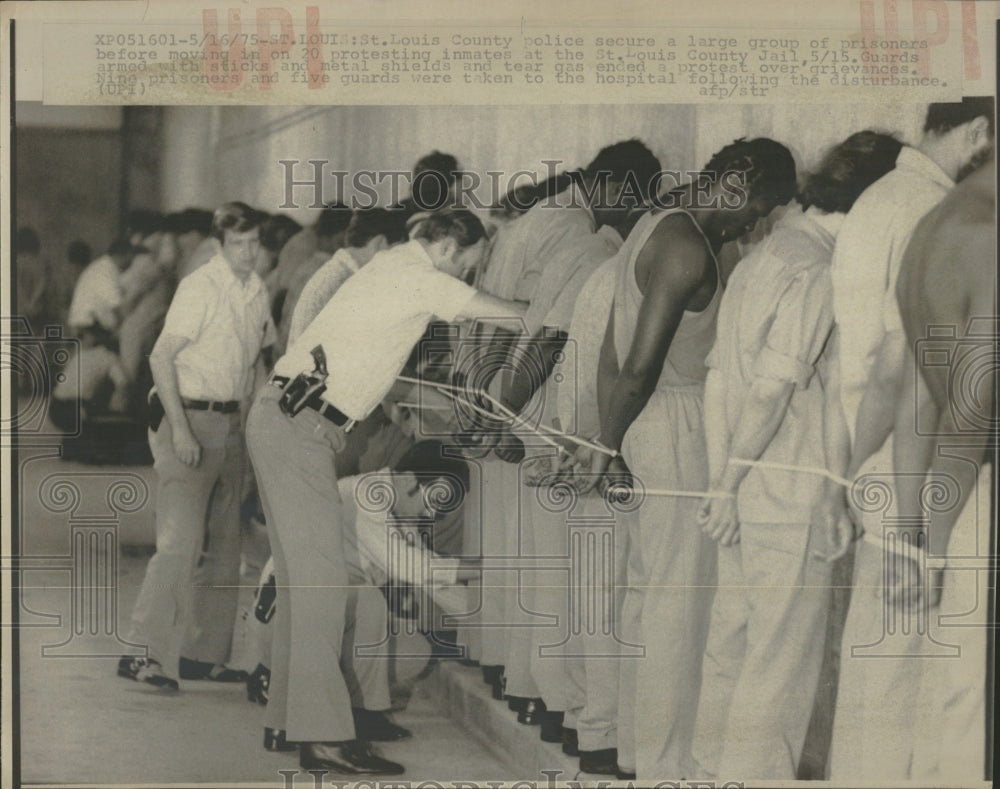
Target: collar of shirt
{"points": [[829, 224], [911, 159], [222, 275], [611, 234], [344, 257], [419, 251], [576, 201]]}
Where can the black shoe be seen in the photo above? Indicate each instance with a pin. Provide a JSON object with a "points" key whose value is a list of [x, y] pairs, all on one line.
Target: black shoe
{"points": [[353, 757], [194, 669], [491, 673], [274, 740], [499, 688], [602, 762], [531, 715], [625, 775], [258, 684], [146, 670], [376, 727], [551, 726], [570, 745], [198, 669], [517, 703]]}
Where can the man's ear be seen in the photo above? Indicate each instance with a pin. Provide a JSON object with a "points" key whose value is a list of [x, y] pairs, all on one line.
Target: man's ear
{"points": [[979, 129], [407, 481], [448, 247], [378, 243]]}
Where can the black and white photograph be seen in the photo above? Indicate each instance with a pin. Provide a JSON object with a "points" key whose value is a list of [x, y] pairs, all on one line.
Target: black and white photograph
{"points": [[399, 431]]}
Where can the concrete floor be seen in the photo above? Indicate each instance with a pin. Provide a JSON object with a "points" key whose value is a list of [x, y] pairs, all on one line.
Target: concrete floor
{"points": [[80, 723]]}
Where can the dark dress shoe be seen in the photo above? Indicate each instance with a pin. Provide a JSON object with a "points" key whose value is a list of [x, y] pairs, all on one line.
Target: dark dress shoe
{"points": [[376, 727], [602, 762], [570, 745], [221, 673], [194, 669], [551, 726], [491, 673], [353, 757], [258, 684], [517, 703], [531, 715], [274, 740], [625, 775]]}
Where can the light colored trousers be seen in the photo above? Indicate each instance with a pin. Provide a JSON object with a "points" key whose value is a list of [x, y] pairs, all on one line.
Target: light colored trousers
{"points": [[186, 606], [670, 591], [764, 653], [913, 705], [293, 458]]}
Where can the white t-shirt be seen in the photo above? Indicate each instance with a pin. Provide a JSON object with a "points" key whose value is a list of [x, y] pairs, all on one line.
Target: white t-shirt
{"points": [[227, 322], [369, 327], [98, 293]]}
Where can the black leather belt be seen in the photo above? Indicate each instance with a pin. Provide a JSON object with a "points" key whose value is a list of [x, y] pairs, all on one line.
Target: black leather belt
{"points": [[317, 404], [227, 407]]}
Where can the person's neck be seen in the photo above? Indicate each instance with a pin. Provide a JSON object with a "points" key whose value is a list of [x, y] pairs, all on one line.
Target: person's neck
{"points": [[938, 149]]}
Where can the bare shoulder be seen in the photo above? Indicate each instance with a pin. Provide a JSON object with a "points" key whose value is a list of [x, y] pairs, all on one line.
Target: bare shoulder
{"points": [[676, 251]]}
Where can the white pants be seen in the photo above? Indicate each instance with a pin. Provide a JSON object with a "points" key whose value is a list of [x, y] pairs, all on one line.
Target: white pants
{"points": [[665, 448], [764, 653]]}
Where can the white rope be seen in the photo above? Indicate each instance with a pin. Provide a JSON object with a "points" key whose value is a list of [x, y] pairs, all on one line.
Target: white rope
{"points": [[842, 481]]}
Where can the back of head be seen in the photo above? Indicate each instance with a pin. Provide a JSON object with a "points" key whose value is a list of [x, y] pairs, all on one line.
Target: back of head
{"points": [[848, 169], [333, 219], [276, 230], [460, 224], [428, 461], [369, 223], [27, 242], [194, 220], [437, 162], [627, 161], [143, 222], [767, 167], [942, 117], [120, 248], [235, 216], [78, 253]]}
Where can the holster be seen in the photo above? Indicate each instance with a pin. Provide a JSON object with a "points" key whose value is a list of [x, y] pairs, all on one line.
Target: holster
{"points": [[305, 388], [266, 597], [154, 411]]}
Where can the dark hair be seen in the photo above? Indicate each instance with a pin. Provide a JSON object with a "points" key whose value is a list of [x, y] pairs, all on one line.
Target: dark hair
{"points": [[437, 162], [78, 252], [367, 223], [848, 169], [767, 165], [332, 219], [276, 230], [519, 199], [460, 224], [27, 242], [629, 160], [945, 116], [120, 247], [428, 462], [196, 220], [236, 216], [143, 221]]}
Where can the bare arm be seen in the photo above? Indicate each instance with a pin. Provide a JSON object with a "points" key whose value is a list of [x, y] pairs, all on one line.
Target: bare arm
{"points": [[678, 265], [877, 412], [161, 363]]}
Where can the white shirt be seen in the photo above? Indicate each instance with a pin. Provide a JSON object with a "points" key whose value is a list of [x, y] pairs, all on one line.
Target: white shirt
{"points": [[368, 329], [320, 289], [227, 322], [376, 548], [523, 248], [97, 295], [775, 318], [870, 246]]}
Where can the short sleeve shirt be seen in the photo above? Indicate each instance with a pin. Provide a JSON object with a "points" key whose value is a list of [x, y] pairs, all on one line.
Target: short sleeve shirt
{"points": [[227, 323], [97, 294], [775, 318], [370, 326]]}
